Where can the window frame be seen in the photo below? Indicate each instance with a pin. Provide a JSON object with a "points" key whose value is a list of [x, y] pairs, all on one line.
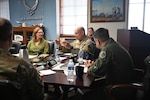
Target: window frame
{"points": [[141, 23], [61, 34]]}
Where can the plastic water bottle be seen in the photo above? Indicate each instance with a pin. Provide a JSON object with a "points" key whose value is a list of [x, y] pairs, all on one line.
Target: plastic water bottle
{"points": [[70, 69], [57, 58], [80, 56]]}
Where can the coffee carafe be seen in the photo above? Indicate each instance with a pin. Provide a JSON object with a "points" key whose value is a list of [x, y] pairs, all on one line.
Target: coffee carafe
{"points": [[23, 53]]}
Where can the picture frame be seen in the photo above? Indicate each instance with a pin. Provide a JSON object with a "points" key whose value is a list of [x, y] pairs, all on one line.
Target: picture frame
{"points": [[107, 10]]}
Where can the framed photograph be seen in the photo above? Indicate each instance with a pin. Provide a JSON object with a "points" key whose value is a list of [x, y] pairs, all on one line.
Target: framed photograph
{"points": [[107, 10]]}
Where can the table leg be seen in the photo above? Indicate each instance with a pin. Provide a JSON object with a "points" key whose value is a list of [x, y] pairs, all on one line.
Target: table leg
{"points": [[46, 88], [65, 92]]}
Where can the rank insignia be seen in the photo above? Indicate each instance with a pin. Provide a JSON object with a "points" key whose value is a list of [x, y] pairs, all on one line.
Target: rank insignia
{"points": [[94, 67], [103, 54]]}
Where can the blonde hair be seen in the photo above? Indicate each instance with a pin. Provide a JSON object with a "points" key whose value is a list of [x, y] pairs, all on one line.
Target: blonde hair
{"points": [[35, 32]]}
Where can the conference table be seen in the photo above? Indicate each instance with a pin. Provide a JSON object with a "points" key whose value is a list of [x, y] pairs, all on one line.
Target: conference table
{"points": [[59, 78]]}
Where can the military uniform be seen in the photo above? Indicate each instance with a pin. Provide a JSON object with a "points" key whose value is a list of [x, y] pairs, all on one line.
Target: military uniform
{"points": [[86, 45], [114, 63], [24, 76]]}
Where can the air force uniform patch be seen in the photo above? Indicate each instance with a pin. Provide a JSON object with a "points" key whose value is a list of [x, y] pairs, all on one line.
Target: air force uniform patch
{"points": [[95, 67], [102, 54]]}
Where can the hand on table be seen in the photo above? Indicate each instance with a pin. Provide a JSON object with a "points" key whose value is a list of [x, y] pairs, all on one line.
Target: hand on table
{"points": [[88, 63], [63, 42]]}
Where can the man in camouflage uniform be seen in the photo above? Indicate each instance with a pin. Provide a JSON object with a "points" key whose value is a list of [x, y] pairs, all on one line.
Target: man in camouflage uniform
{"points": [[114, 63], [82, 42], [16, 70]]}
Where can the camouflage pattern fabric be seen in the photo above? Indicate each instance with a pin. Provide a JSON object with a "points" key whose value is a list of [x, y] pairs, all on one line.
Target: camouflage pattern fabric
{"points": [[24, 76], [86, 45]]}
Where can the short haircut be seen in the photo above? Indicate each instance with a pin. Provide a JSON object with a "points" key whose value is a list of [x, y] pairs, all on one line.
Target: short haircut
{"points": [[5, 29], [102, 34]]}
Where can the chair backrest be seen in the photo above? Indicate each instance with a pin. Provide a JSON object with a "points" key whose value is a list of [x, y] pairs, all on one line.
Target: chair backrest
{"points": [[138, 91], [146, 80], [8, 91], [126, 92], [51, 47], [15, 47], [147, 72]]}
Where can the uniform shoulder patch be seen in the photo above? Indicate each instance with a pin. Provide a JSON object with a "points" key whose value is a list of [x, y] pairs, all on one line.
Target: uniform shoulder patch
{"points": [[102, 54]]}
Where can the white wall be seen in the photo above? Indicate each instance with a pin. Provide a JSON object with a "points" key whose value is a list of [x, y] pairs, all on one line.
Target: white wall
{"points": [[111, 26]]}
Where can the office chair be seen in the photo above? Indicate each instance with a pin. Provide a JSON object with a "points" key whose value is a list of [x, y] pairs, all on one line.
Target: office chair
{"points": [[96, 54], [146, 80], [133, 91], [15, 47], [8, 91]]}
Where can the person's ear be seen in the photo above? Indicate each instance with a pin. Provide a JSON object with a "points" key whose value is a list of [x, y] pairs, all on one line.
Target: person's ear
{"points": [[82, 32], [97, 41], [10, 39]]}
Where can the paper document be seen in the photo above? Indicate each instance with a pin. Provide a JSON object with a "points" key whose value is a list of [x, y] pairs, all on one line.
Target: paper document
{"points": [[67, 54], [59, 66], [62, 58], [32, 56], [46, 72], [40, 68]]}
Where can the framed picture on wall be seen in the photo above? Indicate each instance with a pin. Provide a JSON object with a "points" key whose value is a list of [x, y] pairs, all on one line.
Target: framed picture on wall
{"points": [[107, 10]]}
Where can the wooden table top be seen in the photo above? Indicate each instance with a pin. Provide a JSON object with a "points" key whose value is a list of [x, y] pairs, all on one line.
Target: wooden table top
{"points": [[59, 78]]}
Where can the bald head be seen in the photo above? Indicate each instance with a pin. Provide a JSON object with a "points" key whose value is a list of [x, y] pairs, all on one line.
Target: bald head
{"points": [[5, 29], [79, 28], [79, 33]]}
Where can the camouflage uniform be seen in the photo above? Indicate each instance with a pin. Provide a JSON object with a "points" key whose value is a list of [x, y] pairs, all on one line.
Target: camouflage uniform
{"points": [[86, 45], [24, 76], [114, 63]]}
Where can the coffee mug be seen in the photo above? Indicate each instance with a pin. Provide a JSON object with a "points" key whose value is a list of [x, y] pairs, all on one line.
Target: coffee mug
{"points": [[79, 71]]}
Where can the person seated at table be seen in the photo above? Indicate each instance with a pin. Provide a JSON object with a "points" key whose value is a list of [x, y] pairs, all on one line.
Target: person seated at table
{"points": [[38, 45], [82, 42], [90, 33], [17, 70], [114, 63]]}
